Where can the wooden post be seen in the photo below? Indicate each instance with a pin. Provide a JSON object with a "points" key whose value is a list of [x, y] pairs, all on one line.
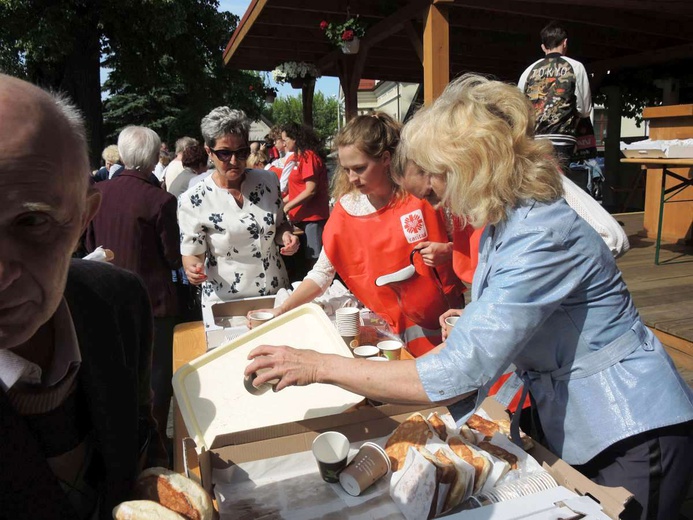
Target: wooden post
{"points": [[436, 51], [350, 68], [307, 91], [612, 149]]}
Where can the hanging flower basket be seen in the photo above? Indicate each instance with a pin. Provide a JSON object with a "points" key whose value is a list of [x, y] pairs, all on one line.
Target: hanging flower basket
{"points": [[269, 98], [351, 47], [295, 73], [345, 35]]}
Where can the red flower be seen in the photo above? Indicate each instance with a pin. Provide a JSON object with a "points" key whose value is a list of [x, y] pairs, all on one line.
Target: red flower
{"points": [[323, 25], [348, 35], [251, 88]]}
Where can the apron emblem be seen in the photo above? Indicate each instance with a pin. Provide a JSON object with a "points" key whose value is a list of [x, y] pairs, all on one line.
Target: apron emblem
{"points": [[414, 226]]}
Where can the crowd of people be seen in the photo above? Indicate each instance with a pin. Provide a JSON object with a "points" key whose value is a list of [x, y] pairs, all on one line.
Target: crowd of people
{"points": [[463, 191]]}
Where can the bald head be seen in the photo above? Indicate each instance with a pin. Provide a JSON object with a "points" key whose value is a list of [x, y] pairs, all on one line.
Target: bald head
{"points": [[45, 205], [31, 115]]}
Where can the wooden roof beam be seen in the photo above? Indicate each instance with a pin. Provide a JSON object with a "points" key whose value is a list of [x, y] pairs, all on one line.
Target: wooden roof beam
{"points": [[618, 19], [246, 23]]}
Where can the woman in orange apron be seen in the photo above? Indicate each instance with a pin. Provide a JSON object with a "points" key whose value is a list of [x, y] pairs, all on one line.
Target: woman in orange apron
{"points": [[372, 231]]}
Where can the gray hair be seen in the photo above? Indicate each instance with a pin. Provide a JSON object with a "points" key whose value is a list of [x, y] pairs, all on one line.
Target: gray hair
{"points": [[223, 121], [75, 123], [185, 142], [138, 147]]}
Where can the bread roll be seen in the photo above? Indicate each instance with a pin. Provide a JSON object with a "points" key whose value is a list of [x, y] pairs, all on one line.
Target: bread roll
{"points": [[143, 510], [414, 431], [175, 492]]}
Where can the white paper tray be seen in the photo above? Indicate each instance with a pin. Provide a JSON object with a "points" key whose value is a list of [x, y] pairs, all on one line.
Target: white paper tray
{"points": [[213, 399]]}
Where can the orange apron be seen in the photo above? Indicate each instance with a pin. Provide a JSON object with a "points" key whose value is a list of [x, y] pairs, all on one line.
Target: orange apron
{"points": [[363, 248]]}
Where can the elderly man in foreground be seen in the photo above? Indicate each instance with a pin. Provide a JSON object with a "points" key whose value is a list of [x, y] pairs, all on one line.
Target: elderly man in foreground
{"points": [[75, 337]]}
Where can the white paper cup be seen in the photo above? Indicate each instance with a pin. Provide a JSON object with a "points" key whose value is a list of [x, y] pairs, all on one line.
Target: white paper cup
{"points": [[331, 450], [391, 349], [366, 351], [259, 317], [450, 323]]}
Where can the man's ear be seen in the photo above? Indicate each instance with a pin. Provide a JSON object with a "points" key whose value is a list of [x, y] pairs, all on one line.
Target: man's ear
{"points": [[543, 48], [91, 207]]}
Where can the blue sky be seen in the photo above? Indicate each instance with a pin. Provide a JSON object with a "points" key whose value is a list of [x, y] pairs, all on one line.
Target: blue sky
{"points": [[327, 85]]}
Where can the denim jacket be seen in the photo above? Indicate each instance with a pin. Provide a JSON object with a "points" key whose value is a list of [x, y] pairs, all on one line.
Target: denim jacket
{"points": [[547, 296]]}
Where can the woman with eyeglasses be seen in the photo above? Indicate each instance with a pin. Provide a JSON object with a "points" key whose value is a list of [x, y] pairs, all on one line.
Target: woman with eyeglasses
{"points": [[307, 201], [233, 230]]}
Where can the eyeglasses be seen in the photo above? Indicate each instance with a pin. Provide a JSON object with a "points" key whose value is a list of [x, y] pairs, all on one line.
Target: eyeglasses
{"points": [[225, 155]]}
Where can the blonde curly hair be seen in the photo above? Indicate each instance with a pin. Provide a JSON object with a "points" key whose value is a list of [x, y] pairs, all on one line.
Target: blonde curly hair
{"points": [[479, 137]]}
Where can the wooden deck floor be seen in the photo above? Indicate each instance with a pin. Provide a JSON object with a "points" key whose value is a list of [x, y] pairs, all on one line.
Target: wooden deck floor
{"points": [[662, 293]]}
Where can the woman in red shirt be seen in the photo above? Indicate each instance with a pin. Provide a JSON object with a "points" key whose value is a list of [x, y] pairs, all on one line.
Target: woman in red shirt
{"points": [[307, 203]]}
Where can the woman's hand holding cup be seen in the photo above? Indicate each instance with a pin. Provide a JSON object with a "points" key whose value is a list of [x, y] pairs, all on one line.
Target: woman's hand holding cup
{"points": [[448, 314], [196, 273]]}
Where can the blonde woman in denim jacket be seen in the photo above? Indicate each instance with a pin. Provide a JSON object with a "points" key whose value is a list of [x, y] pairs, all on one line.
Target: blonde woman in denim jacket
{"points": [[547, 296]]}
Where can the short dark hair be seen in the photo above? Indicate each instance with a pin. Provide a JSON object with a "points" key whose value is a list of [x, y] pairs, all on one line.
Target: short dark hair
{"points": [[194, 156], [553, 34]]}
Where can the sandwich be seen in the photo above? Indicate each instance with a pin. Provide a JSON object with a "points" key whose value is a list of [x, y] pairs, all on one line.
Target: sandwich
{"points": [[488, 428], [143, 510], [438, 426], [499, 453], [458, 486], [446, 475], [413, 432], [175, 492], [481, 465]]}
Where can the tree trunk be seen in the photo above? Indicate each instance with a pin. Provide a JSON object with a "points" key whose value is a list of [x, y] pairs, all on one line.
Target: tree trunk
{"points": [[82, 77]]}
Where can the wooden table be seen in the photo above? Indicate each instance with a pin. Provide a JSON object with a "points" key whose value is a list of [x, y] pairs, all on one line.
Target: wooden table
{"points": [[674, 176], [188, 343]]}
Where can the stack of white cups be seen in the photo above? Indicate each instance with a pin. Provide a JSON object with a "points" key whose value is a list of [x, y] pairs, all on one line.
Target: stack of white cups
{"points": [[348, 322]]}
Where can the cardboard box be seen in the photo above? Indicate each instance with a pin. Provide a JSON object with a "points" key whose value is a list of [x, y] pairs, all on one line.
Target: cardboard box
{"points": [[373, 422], [219, 318], [218, 449]]}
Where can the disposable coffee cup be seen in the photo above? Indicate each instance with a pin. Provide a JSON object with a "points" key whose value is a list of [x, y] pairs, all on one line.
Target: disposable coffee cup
{"points": [[349, 340], [264, 387], [391, 349], [369, 464], [331, 450], [259, 317], [366, 351], [450, 323]]}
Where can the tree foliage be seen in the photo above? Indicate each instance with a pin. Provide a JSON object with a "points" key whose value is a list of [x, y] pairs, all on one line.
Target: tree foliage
{"points": [[288, 109], [637, 89], [164, 57]]}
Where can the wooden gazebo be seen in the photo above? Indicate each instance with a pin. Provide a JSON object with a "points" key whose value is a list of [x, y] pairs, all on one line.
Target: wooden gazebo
{"points": [[430, 41]]}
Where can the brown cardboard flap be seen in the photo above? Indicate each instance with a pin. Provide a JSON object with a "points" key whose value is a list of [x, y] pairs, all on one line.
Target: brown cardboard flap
{"points": [[360, 425], [331, 422], [612, 499]]}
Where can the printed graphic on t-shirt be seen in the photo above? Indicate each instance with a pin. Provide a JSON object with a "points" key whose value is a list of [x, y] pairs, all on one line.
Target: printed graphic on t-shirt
{"points": [[551, 89], [414, 226]]}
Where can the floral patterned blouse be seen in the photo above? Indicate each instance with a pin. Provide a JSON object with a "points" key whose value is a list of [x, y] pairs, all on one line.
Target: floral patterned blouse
{"points": [[241, 256]]}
